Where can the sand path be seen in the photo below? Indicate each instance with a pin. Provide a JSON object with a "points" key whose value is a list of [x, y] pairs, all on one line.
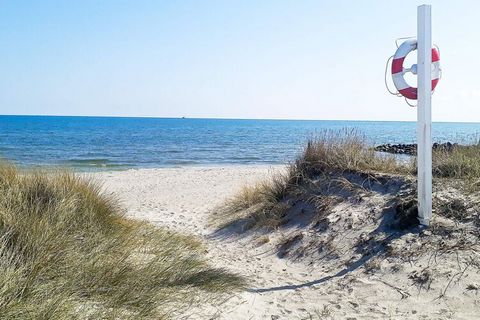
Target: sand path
{"points": [[182, 199]]}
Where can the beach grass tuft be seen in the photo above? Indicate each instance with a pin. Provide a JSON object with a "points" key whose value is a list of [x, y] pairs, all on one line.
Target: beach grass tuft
{"points": [[461, 162], [345, 150], [68, 252], [331, 153]]}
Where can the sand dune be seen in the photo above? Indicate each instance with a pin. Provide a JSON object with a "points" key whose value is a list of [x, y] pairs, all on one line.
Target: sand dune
{"points": [[183, 198]]}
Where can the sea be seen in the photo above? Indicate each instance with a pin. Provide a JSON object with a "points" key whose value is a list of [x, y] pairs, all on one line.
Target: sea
{"points": [[113, 143]]}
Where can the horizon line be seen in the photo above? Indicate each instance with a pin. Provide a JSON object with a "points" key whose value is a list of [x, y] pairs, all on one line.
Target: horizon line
{"points": [[214, 118]]}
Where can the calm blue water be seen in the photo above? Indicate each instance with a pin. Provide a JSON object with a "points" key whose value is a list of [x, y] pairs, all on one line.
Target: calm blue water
{"points": [[117, 143]]}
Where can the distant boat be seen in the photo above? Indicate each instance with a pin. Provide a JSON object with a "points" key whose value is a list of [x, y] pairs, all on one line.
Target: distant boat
{"points": [[183, 117]]}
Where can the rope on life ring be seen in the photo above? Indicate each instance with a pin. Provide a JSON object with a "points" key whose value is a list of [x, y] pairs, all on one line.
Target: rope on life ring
{"points": [[398, 71]]}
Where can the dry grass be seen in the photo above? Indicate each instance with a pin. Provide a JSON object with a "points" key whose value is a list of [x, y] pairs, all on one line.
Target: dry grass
{"points": [[333, 152], [345, 150], [462, 162], [260, 205], [66, 252]]}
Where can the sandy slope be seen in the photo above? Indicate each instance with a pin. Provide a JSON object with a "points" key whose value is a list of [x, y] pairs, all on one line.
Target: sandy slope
{"points": [[182, 198]]}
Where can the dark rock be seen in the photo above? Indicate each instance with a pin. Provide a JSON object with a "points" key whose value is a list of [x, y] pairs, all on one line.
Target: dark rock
{"points": [[411, 149]]}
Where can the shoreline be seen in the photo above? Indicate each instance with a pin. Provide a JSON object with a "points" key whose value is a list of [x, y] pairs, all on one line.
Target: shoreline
{"points": [[94, 170]]}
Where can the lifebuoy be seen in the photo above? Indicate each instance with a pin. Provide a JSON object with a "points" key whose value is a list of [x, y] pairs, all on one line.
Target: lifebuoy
{"points": [[398, 71]]}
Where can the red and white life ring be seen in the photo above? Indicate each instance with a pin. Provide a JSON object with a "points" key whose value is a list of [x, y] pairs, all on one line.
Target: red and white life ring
{"points": [[398, 71]]}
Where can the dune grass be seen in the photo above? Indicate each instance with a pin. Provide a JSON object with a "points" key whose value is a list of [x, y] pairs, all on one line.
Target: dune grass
{"points": [[462, 162], [67, 252], [330, 155], [258, 205], [343, 151]]}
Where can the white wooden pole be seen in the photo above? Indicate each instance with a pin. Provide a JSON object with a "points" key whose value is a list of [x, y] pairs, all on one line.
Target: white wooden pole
{"points": [[424, 113]]}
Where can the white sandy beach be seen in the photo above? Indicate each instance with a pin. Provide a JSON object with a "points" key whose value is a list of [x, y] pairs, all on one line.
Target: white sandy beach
{"points": [[182, 199]]}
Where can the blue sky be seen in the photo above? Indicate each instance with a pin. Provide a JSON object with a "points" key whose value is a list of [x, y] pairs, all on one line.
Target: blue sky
{"points": [[231, 59]]}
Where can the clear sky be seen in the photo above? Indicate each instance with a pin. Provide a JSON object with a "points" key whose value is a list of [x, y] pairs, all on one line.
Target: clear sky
{"points": [[232, 59]]}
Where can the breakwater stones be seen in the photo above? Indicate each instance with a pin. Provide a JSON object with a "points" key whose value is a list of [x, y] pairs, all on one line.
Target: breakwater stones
{"points": [[411, 149]]}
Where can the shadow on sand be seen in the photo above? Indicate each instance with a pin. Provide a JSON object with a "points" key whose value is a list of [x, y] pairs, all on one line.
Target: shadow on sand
{"points": [[390, 225]]}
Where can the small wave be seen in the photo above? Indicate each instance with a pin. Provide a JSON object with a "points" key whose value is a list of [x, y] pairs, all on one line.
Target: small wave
{"points": [[181, 162], [94, 162], [252, 158]]}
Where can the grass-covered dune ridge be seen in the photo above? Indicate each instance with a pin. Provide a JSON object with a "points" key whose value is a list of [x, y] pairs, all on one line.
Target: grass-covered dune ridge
{"points": [[334, 159], [331, 154], [67, 251]]}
